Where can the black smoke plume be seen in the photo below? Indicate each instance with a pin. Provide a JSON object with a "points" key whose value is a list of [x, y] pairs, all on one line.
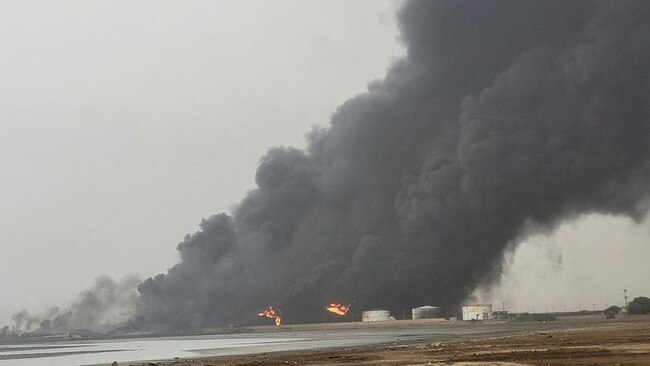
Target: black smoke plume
{"points": [[504, 117]]}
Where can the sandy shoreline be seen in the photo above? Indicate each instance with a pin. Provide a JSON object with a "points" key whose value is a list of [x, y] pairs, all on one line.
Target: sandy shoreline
{"points": [[578, 343]]}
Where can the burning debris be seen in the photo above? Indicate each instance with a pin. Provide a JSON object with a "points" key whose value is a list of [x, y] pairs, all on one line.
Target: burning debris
{"points": [[338, 309], [273, 314]]}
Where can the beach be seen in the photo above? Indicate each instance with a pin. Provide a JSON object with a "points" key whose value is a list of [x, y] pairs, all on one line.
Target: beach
{"points": [[623, 341]]}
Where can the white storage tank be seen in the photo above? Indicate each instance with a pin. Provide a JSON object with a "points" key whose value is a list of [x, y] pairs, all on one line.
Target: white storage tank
{"points": [[425, 312], [477, 312], [375, 315]]}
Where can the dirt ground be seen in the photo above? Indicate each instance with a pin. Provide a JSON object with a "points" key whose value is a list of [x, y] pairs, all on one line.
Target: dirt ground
{"points": [[604, 344]]}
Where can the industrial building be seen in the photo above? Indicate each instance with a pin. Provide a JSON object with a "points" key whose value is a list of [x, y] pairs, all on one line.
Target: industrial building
{"points": [[425, 312], [477, 312], [376, 315]]}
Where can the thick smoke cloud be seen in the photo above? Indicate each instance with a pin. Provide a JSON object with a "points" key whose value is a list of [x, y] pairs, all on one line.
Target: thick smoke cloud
{"points": [[504, 117]]}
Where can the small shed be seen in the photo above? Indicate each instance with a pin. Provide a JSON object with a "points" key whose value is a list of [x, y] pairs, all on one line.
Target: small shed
{"points": [[477, 312]]}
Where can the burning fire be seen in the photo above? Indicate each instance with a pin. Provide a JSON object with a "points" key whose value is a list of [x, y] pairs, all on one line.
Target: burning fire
{"points": [[338, 309], [273, 314]]}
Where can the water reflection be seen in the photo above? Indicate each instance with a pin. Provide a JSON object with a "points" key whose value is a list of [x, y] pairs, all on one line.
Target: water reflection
{"points": [[141, 349]]}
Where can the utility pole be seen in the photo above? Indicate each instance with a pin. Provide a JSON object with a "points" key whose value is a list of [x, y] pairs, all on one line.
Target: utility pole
{"points": [[594, 306], [625, 296]]}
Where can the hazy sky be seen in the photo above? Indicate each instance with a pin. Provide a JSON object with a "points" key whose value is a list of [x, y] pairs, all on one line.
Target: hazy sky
{"points": [[123, 123], [583, 263]]}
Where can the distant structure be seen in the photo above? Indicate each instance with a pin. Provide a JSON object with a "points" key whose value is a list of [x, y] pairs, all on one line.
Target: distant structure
{"points": [[425, 312], [376, 315], [477, 312], [502, 315]]}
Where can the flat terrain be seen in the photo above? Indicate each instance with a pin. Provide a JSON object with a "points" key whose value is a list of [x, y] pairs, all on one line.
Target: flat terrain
{"points": [[602, 342]]}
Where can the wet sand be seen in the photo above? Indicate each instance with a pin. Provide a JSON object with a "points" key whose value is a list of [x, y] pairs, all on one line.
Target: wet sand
{"points": [[573, 342]]}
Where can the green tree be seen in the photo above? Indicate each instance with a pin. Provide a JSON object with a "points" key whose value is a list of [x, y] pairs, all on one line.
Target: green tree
{"points": [[640, 305], [611, 311]]}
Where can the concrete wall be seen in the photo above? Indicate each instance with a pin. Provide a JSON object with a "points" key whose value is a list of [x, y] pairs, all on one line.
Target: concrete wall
{"points": [[477, 312]]}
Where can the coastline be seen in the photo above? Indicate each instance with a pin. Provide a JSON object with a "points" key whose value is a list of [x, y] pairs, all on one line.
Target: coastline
{"points": [[603, 342]]}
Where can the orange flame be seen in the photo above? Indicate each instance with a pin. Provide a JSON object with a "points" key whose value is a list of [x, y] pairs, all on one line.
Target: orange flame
{"points": [[338, 309], [273, 314]]}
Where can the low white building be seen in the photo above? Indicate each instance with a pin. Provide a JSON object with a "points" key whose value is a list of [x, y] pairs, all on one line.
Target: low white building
{"points": [[376, 315], [477, 312], [425, 312]]}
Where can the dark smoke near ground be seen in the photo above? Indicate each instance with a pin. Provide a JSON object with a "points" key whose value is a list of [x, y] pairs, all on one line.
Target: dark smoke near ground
{"points": [[104, 307], [504, 118]]}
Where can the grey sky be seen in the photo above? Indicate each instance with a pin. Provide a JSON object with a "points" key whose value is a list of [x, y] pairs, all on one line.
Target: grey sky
{"points": [[584, 262], [123, 123]]}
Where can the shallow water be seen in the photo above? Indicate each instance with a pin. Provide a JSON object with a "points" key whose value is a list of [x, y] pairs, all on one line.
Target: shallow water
{"points": [[141, 349], [165, 348]]}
